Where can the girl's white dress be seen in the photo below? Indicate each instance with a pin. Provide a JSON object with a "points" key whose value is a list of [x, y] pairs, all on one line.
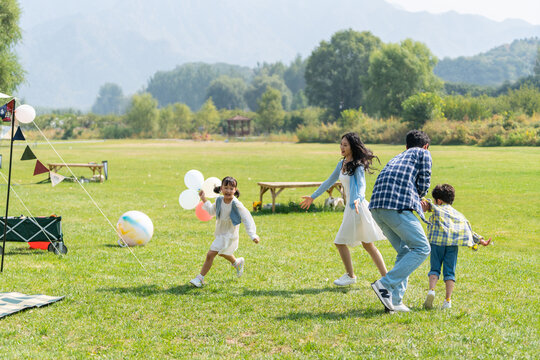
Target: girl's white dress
{"points": [[356, 228], [227, 235]]}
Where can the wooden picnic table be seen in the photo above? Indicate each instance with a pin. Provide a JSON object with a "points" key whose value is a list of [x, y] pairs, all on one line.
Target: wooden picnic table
{"points": [[95, 167], [277, 187]]}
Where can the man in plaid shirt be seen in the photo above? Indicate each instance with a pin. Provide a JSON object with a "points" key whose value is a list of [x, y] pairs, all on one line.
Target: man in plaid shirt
{"points": [[396, 194], [447, 230]]}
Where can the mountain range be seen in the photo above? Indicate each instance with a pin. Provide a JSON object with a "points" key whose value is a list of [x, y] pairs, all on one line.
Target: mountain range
{"points": [[70, 49]]}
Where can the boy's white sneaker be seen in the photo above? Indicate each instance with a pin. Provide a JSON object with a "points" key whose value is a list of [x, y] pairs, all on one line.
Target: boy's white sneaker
{"points": [[384, 295], [447, 304], [345, 280], [197, 282], [428, 304], [239, 266]]}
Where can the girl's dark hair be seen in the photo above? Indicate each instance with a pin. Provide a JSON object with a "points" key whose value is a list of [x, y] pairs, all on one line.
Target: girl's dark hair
{"points": [[444, 192], [228, 180], [362, 156]]}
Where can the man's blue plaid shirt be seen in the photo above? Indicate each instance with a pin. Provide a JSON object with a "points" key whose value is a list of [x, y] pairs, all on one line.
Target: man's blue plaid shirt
{"points": [[403, 182]]}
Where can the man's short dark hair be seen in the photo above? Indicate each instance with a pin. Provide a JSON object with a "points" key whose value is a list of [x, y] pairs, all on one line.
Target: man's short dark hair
{"points": [[417, 138], [444, 192]]}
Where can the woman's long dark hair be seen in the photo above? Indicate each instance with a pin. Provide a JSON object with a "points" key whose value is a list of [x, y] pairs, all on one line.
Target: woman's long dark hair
{"points": [[228, 180], [362, 156]]}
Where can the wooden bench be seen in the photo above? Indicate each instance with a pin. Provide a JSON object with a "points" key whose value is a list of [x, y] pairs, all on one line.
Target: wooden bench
{"points": [[277, 187], [54, 167]]}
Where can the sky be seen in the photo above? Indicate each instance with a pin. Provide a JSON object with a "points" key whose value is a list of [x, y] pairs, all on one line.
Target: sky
{"points": [[499, 10]]}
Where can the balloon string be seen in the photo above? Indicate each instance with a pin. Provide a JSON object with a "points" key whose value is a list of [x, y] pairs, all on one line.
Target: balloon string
{"points": [[90, 196]]}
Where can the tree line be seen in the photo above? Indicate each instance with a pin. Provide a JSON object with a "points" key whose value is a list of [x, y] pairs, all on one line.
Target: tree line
{"points": [[350, 81]]}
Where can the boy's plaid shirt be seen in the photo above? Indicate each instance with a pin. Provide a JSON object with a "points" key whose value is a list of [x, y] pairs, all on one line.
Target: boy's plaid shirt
{"points": [[403, 181], [448, 227]]}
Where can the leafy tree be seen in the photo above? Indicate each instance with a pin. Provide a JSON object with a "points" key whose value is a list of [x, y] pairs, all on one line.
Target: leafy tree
{"points": [[165, 121], [11, 72], [294, 75], [142, 115], [261, 84], [299, 101], [270, 113], [267, 69], [336, 71], [420, 108], [227, 92], [183, 118], [188, 83], [526, 100], [397, 72], [207, 118], [536, 69], [350, 118], [110, 100]]}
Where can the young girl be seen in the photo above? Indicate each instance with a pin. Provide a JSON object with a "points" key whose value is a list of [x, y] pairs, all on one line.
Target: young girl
{"points": [[358, 227], [229, 214]]}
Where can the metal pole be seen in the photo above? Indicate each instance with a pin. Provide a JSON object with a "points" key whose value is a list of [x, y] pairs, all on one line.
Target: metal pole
{"points": [[9, 181]]}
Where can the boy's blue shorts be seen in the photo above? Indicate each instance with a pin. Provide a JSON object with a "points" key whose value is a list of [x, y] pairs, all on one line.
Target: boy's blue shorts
{"points": [[445, 256]]}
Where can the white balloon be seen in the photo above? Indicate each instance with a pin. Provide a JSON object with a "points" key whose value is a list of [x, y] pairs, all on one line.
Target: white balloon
{"points": [[25, 114], [194, 179], [188, 199], [209, 185]]}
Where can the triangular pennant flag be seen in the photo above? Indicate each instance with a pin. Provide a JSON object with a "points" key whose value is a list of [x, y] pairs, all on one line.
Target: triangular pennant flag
{"points": [[19, 135], [28, 154], [56, 178], [40, 168], [6, 111]]}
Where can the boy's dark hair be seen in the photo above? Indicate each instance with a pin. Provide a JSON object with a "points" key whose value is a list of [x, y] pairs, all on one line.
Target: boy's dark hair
{"points": [[444, 192], [362, 156], [417, 138], [228, 180]]}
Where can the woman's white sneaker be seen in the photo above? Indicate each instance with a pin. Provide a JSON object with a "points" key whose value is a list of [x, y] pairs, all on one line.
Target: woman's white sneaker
{"points": [[345, 280]]}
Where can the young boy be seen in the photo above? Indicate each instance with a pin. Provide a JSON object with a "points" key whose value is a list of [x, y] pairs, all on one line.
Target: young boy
{"points": [[396, 194], [447, 230]]}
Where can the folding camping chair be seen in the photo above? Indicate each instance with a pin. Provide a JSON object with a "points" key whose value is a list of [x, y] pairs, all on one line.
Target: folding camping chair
{"points": [[46, 230]]}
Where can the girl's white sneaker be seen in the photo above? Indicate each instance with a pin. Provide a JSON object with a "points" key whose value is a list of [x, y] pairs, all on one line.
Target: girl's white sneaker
{"points": [[447, 304], [239, 266], [345, 280], [196, 282]]}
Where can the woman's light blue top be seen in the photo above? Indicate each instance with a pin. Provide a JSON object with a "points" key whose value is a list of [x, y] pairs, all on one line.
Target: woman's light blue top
{"points": [[358, 184]]}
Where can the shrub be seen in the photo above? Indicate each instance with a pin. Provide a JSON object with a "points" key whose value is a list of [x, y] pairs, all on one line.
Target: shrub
{"points": [[420, 108]]}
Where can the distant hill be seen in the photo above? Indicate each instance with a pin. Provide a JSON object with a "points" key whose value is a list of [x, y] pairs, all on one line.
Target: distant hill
{"points": [[507, 62], [69, 51]]}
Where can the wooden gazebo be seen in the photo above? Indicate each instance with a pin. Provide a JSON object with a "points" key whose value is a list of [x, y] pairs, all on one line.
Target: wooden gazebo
{"points": [[240, 123]]}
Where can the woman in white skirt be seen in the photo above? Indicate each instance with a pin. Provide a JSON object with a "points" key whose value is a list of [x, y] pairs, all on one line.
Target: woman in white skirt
{"points": [[358, 227]]}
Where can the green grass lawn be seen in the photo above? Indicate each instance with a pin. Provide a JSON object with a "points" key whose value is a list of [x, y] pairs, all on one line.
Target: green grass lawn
{"points": [[285, 305]]}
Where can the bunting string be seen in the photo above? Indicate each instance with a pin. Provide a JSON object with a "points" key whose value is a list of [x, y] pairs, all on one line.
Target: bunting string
{"points": [[89, 196]]}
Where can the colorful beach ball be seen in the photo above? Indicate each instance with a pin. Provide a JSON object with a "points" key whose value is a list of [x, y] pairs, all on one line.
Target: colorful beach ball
{"points": [[134, 228]]}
